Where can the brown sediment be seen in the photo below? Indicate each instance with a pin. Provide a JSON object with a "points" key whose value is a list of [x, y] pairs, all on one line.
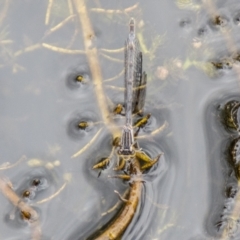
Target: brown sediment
{"points": [[230, 43], [234, 218], [119, 225], [27, 212]]}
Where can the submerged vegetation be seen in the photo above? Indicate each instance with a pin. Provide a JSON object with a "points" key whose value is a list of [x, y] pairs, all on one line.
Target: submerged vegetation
{"points": [[74, 19]]}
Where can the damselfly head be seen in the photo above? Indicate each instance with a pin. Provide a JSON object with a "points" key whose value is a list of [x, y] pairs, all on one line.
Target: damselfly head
{"points": [[132, 25]]}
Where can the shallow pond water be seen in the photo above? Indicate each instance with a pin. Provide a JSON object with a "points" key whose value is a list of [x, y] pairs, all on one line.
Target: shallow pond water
{"points": [[191, 55]]}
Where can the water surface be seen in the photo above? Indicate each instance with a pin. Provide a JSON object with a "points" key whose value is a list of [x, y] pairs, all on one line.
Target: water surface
{"points": [[41, 103]]}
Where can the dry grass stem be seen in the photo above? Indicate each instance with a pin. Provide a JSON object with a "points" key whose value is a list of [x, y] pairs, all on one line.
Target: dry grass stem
{"points": [[53, 195], [62, 50], [87, 145], [115, 77], [48, 13], [27, 49], [23, 158], [115, 11], [61, 24], [115, 88], [111, 58], [119, 50]]}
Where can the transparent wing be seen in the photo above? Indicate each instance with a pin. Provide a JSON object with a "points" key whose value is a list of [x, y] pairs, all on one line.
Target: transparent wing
{"points": [[131, 66], [139, 92]]}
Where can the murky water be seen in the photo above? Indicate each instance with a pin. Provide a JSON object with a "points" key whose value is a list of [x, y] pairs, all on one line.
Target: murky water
{"points": [[190, 53]]}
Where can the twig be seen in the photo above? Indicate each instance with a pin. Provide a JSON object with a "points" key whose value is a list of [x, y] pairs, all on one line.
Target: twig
{"points": [[27, 212]]}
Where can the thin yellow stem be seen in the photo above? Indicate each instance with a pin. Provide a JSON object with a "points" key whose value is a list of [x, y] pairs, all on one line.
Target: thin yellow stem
{"points": [[27, 49], [62, 23], [62, 50], [115, 77], [87, 145], [115, 11], [49, 7], [111, 58], [53, 195], [14, 164], [119, 50]]}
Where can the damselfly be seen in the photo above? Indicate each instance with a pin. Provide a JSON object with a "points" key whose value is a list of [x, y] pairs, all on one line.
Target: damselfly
{"points": [[135, 88]]}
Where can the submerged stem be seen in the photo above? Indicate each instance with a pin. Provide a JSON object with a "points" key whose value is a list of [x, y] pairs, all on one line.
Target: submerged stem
{"points": [[93, 61]]}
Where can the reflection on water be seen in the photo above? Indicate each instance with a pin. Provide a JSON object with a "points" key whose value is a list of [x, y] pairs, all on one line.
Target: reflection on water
{"points": [[191, 55]]}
